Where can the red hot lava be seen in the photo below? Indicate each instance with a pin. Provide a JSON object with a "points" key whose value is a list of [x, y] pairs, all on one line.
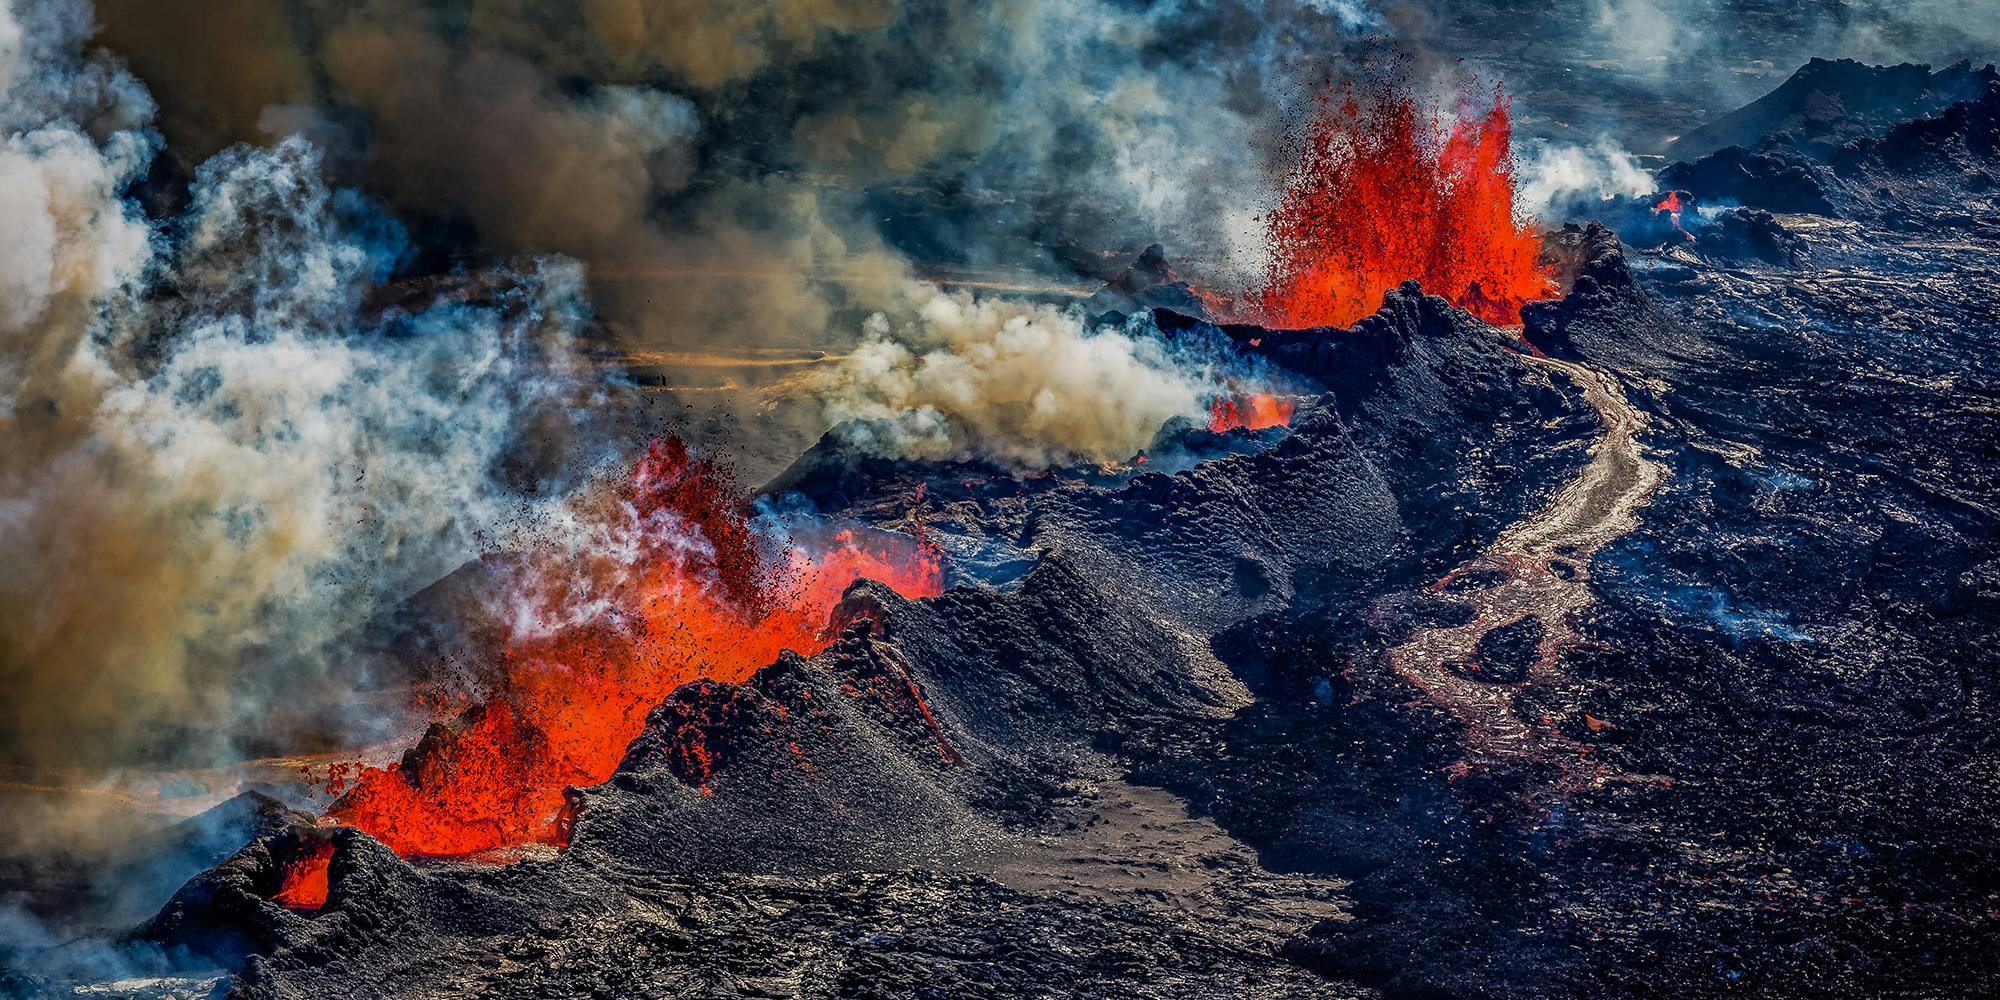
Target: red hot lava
{"points": [[1385, 191], [681, 584], [1673, 206], [1252, 413], [305, 880]]}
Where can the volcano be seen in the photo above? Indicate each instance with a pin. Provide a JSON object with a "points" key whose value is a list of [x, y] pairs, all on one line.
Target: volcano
{"points": [[1483, 606]]}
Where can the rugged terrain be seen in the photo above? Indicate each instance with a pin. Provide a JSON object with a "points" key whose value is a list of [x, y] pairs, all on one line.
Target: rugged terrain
{"points": [[1647, 650]]}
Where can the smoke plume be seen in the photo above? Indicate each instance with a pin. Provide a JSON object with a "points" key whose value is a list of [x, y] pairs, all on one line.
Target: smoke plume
{"points": [[1562, 182], [237, 433]]}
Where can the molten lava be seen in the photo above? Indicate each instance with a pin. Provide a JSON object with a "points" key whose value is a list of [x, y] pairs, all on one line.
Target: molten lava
{"points": [[305, 880], [1383, 192], [1252, 413], [1673, 206], [685, 585]]}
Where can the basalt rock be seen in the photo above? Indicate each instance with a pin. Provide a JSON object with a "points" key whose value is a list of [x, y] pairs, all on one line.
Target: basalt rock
{"points": [[1607, 315], [1741, 234], [1774, 176], [1924, 171]]}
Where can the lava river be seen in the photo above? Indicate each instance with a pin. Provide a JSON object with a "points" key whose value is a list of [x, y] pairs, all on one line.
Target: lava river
{"points": [[1539, 569]]}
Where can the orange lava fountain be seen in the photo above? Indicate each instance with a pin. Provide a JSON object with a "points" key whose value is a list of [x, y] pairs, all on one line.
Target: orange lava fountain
{"points": [[690, 588], [1673, 206], [1252, 413], [1384, 192]]}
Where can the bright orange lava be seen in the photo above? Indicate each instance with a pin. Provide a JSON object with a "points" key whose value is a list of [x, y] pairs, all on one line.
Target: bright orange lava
{"points": [[691, 590], [305, 884], [1253, 413], [1673, 206], [1384, 192]]}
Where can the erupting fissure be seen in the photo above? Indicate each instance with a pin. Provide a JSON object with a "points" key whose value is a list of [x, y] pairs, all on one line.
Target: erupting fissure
{"points": [[1251, 413], [691, 585], [1383, 192]]}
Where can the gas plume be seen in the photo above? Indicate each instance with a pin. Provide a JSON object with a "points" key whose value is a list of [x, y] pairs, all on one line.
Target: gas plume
{"points": [[232, 443], [1023, 384], [810, 121], [1561, 182]]}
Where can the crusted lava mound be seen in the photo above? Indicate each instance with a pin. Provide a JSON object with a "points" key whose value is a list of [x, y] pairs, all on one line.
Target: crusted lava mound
{"points": [[914, 764]]}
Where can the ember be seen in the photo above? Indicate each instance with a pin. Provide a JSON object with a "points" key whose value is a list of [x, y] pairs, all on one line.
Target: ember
{"points": [[1382, 193], [1252, 413], [694, 590]]}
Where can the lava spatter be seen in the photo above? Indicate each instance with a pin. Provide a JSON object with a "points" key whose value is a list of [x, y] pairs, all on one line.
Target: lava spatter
{"points": [[1387, 188], [305, 880], [1250, 413]]}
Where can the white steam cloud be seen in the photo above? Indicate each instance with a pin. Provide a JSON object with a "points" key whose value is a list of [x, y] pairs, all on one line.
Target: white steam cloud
{"points": [[1560, 182], [1024, 384]]}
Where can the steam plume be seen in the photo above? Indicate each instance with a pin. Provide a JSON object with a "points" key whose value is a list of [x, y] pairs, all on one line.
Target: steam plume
{"points": [[1024, 384]]}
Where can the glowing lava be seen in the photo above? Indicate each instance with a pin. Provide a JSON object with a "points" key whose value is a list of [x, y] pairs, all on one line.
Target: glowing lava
{"points": [[305, 884], [1383, 192], [679, 583], [1252, 413], [1674, 206]]}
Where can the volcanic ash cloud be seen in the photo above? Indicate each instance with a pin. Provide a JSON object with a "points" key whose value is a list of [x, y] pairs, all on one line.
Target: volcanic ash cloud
{"points": [[215, 465]]}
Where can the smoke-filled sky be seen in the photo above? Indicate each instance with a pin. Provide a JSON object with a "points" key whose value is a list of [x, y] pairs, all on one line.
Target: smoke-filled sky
{"points": [[304, 304]]}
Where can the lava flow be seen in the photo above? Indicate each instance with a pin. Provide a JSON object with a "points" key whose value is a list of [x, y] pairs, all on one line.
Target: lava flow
{"points": [[681, 583], [1382, 192], [1252, 413]]}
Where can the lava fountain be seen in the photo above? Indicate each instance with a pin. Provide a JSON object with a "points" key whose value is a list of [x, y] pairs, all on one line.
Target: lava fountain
{"points": [[1383, 190], [1673, 205], [1251, 413], [679, 582]]}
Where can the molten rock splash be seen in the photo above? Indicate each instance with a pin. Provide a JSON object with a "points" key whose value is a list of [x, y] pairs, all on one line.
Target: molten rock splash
{"points": [[1384, 192], [1251, 413], [674, 581]]}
